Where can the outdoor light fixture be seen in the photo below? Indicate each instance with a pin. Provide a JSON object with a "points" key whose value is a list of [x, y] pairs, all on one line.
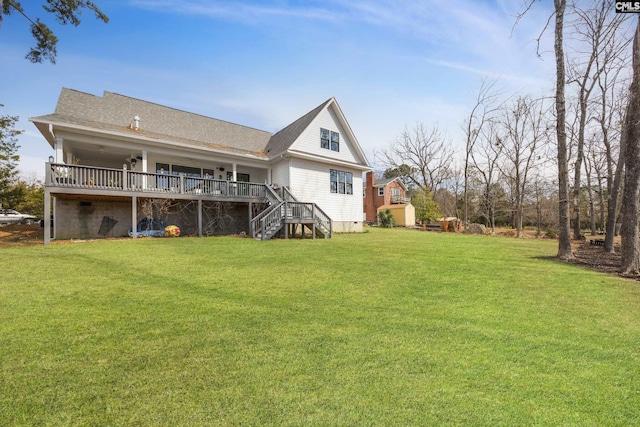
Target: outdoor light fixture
{"points": [[51, 159], [133, 162]]}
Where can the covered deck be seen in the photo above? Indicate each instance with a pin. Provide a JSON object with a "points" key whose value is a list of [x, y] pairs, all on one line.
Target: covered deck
{"points": [[72, 181]]}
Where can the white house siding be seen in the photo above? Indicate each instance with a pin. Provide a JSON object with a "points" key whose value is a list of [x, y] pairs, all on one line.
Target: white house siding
{"points": [[310, 182], [280, 173], [259, 175], [309, 141]]}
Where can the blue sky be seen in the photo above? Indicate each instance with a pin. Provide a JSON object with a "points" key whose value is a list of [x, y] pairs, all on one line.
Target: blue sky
{"points": [[389, 63]]}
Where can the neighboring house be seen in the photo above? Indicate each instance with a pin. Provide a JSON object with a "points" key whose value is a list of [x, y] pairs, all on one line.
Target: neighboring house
{"points": [[118, 160], [385, 194]]}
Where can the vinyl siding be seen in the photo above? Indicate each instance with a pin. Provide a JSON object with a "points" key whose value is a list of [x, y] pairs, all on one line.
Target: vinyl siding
{"points": [[310, 182], [309, 141], [280, 173]]}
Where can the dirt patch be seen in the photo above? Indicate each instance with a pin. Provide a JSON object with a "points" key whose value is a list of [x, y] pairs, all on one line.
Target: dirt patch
{"points": [[21, 235], [595, 258]]}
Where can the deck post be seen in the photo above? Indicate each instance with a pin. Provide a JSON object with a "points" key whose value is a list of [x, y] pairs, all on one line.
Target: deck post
{"points": [[47, 216], [134, 217], [199, 217], [124, 177]]}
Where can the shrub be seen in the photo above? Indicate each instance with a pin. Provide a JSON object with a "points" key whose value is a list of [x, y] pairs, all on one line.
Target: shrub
{"points": [[551, 233], [385, 219]]}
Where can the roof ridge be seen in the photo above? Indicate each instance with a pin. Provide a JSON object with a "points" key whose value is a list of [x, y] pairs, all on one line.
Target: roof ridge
{"points": [[178, 110]]}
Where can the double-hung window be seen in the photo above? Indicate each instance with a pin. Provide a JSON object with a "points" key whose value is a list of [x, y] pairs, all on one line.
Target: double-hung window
{"points": [[341, 182], [329, 140]]}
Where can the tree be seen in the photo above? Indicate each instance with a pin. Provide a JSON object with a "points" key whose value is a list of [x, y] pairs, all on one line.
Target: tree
{"points": [[427, 210], [403, 172], [598, 28], [564, 228], [423, 153], [525, 129], [481, 115], [9, 158], [31, 197], [629, 230], [65, 12], [485, 157]]}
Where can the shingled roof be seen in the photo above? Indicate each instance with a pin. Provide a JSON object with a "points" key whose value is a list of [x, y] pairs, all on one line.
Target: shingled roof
{"points": [[115, 113]]}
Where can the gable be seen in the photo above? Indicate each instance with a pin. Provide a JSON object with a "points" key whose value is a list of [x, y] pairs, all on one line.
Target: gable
{"points": [[329, 118]]}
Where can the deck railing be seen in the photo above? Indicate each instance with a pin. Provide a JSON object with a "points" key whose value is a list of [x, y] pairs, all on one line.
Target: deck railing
{"points": [[400, 199], [88, 177]]}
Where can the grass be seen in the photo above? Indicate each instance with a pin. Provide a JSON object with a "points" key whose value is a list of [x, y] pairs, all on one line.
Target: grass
{"points": [[390, 327]]}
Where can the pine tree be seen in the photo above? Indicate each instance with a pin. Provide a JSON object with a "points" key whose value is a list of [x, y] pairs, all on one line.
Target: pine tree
{"points": [[65, 12], [9, 158]]}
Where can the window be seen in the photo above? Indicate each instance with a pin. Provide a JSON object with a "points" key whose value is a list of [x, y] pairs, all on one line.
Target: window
{"points": [[240, 177], [341, 182], [329, 140], [395, 192], [335, 141], [324, 138], [334, 181], [381, 191]]}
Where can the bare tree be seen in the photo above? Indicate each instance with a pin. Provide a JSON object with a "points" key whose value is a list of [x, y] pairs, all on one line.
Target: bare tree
{"points": [[629, 230], [525, 130], [485, 156], [481, 114], [423, 153], [590, 167], [596, 28], [564, 241], [611, 115]]}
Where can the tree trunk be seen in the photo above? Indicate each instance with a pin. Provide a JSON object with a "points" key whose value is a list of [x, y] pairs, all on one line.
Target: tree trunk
{"points": [[564, 229], [612, 201], [629, 230], [577, 233], [592, 208]]}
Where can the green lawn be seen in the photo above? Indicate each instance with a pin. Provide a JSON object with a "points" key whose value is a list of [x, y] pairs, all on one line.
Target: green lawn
{"points": [[390, 327]]}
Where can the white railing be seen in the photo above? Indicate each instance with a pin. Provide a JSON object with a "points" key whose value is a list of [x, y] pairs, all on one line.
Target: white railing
{"points": [[88, 177], [400, 199]]}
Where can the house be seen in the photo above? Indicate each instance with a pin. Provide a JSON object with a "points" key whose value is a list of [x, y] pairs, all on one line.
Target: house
{"points": [[382, 194], [123, 165]]}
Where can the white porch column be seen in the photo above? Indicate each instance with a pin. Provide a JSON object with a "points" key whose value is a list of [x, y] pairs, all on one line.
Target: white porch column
{"points": [[55, 220], [269, 178], [69, 158], [144, 168], [199, 217], [134, 217], [47, 216], [235, 172], [59, 152]]}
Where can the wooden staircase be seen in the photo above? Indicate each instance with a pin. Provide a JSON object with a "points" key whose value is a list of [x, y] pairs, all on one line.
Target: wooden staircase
{"points": [[284, 212]]}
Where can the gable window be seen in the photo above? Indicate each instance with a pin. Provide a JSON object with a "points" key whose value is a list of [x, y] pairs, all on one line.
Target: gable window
{"points": [[324, 138], [329, 140], [341, 182], [335, 141], [380, 191]]}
